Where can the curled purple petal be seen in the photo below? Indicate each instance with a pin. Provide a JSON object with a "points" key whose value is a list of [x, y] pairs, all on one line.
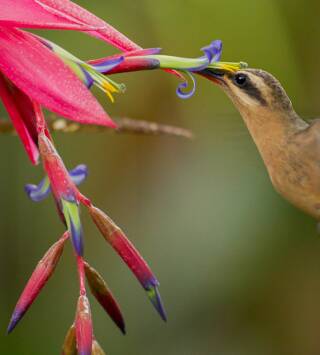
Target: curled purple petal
{"points": [[184, 85]]}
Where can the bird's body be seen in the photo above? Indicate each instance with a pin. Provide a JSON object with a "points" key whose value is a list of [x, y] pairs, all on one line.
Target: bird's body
{"points": [[288, 145], [292, 158]]}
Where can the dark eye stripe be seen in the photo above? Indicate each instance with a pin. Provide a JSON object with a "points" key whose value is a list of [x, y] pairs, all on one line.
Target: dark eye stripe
{"points": [[251, 90]]}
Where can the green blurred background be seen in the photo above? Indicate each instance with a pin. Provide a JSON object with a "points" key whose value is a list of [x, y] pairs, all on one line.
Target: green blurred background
{"points": [[239, 267]]}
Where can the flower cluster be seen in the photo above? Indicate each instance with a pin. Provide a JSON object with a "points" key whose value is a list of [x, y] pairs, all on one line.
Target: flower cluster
{"points": [[63, 186], [32, 76], [36, 73]]}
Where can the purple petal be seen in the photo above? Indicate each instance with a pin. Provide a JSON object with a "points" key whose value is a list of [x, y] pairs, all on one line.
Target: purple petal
{"points": [[108, 64], [79, 174], [213, 51], [39, 192], [184, 85]]}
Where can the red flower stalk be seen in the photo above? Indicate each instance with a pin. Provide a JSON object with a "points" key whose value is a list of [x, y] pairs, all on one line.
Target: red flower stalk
{"points": [[83, 323]]}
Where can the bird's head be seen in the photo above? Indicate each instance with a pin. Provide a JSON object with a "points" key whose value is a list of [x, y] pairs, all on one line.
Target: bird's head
{"points": [[252, 90]]}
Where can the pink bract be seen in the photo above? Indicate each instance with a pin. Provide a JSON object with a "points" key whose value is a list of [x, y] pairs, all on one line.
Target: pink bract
{"points": [[46, 79], [60, 14]]}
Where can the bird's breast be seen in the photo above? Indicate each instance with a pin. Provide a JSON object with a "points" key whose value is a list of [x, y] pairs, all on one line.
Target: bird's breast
{"points": [[291, 153], [295, 176]]}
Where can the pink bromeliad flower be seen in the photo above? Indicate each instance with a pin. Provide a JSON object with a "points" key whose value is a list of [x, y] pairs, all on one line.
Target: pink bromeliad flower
{"points": [[36, 73]]}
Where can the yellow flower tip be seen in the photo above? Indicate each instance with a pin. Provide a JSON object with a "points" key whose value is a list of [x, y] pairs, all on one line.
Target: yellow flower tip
{"points": [[109, 95], [229, 67], [109, 87]]}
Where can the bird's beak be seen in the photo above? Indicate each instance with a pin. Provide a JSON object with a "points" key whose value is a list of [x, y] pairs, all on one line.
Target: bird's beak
{"points": [[217, 76], [214, 75]]}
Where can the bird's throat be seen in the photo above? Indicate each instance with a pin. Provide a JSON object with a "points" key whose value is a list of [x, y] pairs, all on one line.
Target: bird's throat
{"points": [[271, 131]]}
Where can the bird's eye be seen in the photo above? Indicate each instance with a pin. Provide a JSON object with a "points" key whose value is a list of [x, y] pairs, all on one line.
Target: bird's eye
{"points": [[240, 79]]}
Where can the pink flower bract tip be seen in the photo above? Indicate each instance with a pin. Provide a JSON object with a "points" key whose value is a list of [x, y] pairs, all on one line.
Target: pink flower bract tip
{"points": [[130, 255], [37, 281]]}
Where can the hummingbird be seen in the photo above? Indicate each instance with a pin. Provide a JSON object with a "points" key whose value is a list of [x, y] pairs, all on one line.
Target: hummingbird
{"points": [[289, 146]]}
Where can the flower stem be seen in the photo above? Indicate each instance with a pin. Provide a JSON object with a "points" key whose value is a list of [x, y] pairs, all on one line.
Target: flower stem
{"points": [[124, 125], [81, 273]]}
